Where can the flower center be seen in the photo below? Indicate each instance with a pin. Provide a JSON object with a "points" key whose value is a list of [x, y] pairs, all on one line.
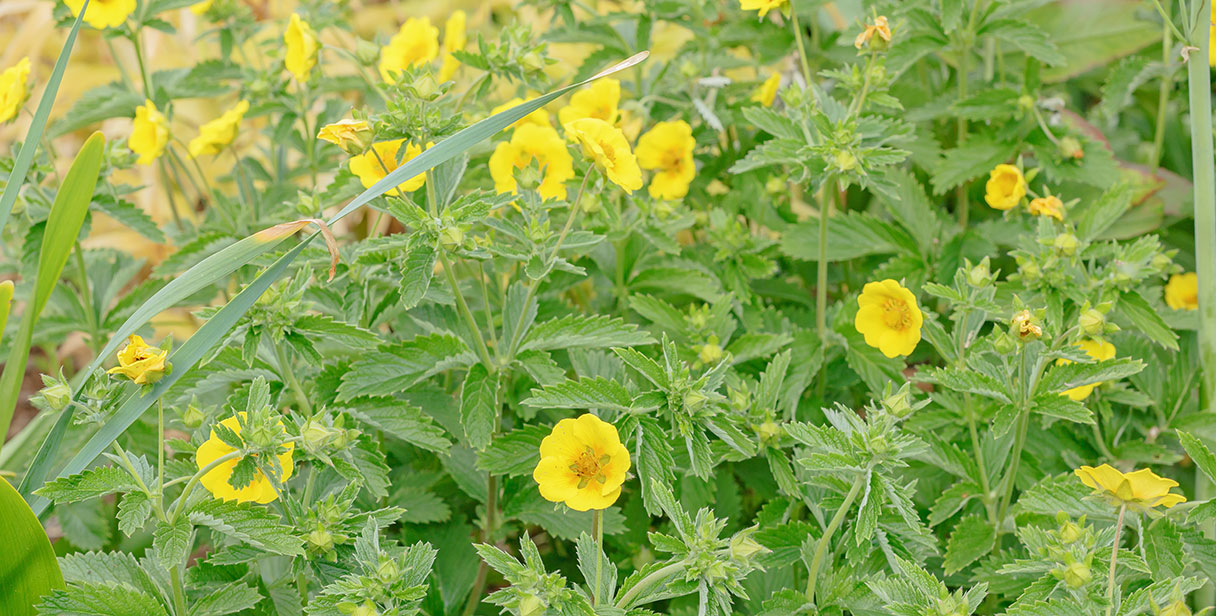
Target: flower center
{"points": [[590, 467], [673, 161], [896, 314]]}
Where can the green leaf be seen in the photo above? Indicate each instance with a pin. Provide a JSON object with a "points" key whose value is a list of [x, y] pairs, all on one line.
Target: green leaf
{"points": [[1163, 550], [229, 599], [593, 393], [972, 538], [1063, 407], [586, 332], [172, 541], [130, 216], [595, 565], [248, 523], [28, 569], [402, 420], [1113, 29], [851, 235], [88, 599], [1144, 319], [110, 568], [89, 484], [1025, 36], [418, 269], [133, 512], [398, 367], [1202, 456], [479, 406], [1063, 378], [959, 379], [965, 163], [514, 453], [329, 329], [645, 366], [1095, 216]]}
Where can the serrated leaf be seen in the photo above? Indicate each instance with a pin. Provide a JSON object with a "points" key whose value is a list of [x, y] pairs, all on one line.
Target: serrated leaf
{"points": [[402, 420], [133, 512], [130, 215], [1069, 376], [330, 329], [87, 599], [395, 368], [248, 523], [1144, 319], [972, 538], [417, 271], [593, 393], [479, 406], [1199, 453], [172, 541], [585, 332], [1025, 36], [89, 484], [514, 453]]}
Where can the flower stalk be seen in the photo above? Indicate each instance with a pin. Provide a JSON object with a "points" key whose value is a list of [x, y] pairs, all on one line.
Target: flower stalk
{"points": [[1114, 557], [821, 548]]}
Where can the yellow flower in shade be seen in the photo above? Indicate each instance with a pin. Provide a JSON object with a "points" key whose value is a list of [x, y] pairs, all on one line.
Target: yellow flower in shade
{"points": [[1139, 490], [667, 150], [201, 7], [141, 363], [1182, 291], [880, 27], [540, 117], [1005, 188], [149, 134], [103, 14], [600, 100], [353, 136], [889, 318], [767, 92], [416, 43], [215, 135], [532, 142], [260, 490], [454, 39], [302, 48], [382, 159], [763, 6], [1212, 44], [1047, 206], [606, 145], [1097, 351], [582, 463], [13, 89]]}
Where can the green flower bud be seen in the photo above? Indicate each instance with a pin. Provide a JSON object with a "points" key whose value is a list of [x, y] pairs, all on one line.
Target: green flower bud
{"points": [[710, 352], [844, 160], [1066, 244], [193, 416], [388, 571], [1029, 271], [768, 431], [1070, 147], [320, 540], [1161, 263], [1077, 575], [451, 237], [57, 394], [367, 52], [899, 403], [743, 547], [1003, 343], [1092, 322], [316, 435], [532, 61], [693, 400], [980, 275], [1177, 608], [531, 605]]}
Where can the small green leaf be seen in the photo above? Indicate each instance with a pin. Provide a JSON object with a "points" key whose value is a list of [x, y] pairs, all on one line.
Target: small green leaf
{"points": [[479, 406], [972, 538]]}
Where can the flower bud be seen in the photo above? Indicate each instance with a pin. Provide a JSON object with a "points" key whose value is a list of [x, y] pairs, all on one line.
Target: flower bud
{"points": [[844, 160], [316, 436], [710, 353], [320, 540], [367, 52], [451, 237], [532, 61], [1076, 575], [1066, 244], [1071, 532], [1092, 322], [367, 609], [193, 416], [1029, 271], [768, 431], [1026, 102], [1069, 147], [879, 445], [1177, 608], [57, 394], [1161, 263], [531, 605], [1003, 343], [743, 547], [425, 87], [980, 275], [388, 571]]}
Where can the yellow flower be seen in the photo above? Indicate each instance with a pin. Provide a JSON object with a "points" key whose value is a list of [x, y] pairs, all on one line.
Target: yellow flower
{"points": [[879, 27], [103, 14], [1212, 44], [767, 92], [889, 318], [540, 117], [532, 142], [606, 145], [215, 135], [1139, 490], [667, 149], [1005, 188], [1097, 351], [260, 490], [764, 6], [149, 134], [1182, 291], [598, 101], [302, 48], [13, 89], [582, 463], [201, 7], [1026, 326], [416, 43], [454, 39], [141, 363], [1047, 206], [353, 136], [382, 159]]}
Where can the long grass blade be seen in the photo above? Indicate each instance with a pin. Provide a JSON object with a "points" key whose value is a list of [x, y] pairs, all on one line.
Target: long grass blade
{"points": [[29, 568], [6, 303]]}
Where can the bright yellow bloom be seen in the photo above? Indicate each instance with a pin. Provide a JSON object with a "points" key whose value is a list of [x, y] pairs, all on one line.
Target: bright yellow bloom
{"points": [[764, 6], [532, 142], [1047, 206], [353, 136], [103, 14], [540, 117], [416, 43], [1097, 351], [767, 92], [201, 7], [149, 133], [599, 101], [302, 48], [889, 318], [667, 149], [141, 363], [215, 135], [1182, 291], [582, 463], [382, 159], [454, 39], [606, 145], [13, 89], [1005, 188], [879, 27], [1140, 490], [260, 490]]}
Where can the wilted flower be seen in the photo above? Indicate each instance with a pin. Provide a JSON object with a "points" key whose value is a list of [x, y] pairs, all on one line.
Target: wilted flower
{"points": [[1005, 188], [533, 143], [1182, 291], [417, 42], [667, 150], [302, 48], [260, 490], [215, 135], [149, 133], [1047, 206], [889, 318], [600, 101], [879, 27], [1026, 326], [353, 136], [1140, 490], [1098, 351], [454, 39], [606, 145], [13, 89], [381, 159], [140, 362], [767, 92], [103, 14], [582, 464]]}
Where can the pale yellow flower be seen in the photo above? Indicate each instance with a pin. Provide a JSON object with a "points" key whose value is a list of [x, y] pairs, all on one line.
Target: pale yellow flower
{"points": [[381, 160], [667, 149], [141, 363], [149, 133], [582, 464], [217, 134], [1182, 291], [1097, 351], [302, 48], [353, 136], [1005, 188], [767, 92], [103, 14], [1139, 490], [1047, 206], [889, 318], [600, 100], [416, 43], [454, 39], [261, 490], [879, 27], [540, 117], [606, 145], [533, 143], [13, 89]]}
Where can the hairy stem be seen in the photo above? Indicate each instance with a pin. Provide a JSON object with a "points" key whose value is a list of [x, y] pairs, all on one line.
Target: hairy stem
{"points": [[821, 548], [1114, 557], [645, 583], [597, 530]]}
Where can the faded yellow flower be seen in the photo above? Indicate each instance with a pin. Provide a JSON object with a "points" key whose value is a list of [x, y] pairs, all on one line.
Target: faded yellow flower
{"points": [[201, 7], [1097, 351], [416, 43], [889, 318], [764, 6], [1047, 206], [667, 149], [767, 92], [13, 90], [382, 159], [149, 133], [217, 134], [454, 39], [533, 143], [302, 48], [1139, 490], [879, 27], [600, 100], [582, 464], [140, 362], [1026, 326], [540, 117], [353, 136], [1182, 291], [260, 490], [1005, 188], [103, 14], [606, 145]]}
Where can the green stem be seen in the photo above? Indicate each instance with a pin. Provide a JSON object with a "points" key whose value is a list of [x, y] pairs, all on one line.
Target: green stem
{"points": [[597, 529], [139, 58], [821, 282], [179, 593], [160, 453], [962, 202], [645, 583], [194, 479], [1163, 93], [487, 536], [1165, 17], [821, 548], [461, 305], [1114, 558], [1019, 444], [86, 298], [297, 390], [806, 65]]}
